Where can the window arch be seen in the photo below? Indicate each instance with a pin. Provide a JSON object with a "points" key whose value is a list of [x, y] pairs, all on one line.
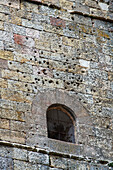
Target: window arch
{"points": [[61, 123]]}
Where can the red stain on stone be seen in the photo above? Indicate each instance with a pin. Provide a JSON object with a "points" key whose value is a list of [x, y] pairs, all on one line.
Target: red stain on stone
{"points": [[19, 39], [57, 22]]}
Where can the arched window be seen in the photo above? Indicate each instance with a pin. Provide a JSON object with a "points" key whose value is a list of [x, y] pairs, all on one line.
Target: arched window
{"points": [[60, 123]]}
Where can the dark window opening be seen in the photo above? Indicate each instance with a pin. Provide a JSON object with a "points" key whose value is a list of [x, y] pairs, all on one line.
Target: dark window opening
{"points": [[60, 123]]}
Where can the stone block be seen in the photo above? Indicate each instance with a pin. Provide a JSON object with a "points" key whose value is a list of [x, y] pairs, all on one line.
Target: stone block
{"points": [[14, 4], [18, 96], [20, 154], [6, 163], [17, 126], [12, 114], [3, 83], [12, 136], [6, 55], [38, 158], [3, 63], [6, 151], [22, 40], [24, 165], [4, 123], [58, 162]]}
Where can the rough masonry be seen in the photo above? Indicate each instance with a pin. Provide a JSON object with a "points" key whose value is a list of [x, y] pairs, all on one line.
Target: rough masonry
{"points": [[56, 51]]}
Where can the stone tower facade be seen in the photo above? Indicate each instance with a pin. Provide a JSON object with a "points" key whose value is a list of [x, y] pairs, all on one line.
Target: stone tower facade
{"points": [[56, 55]]}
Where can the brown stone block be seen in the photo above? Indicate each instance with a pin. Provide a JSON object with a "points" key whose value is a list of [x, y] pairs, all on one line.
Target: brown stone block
{"points": [[3, 83], [12, 114], [17, 125], [12, 136], [7, 55], [15, 20], [57, 22], [15, 96], [4, 123]]}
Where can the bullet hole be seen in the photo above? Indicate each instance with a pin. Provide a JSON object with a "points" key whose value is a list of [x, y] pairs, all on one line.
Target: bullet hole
{"points": [[42, 81], [35, 51], [17, 70], [92, 12], [66, 59], [44, 61], [24, 76], [66, 70], [26, 38], [41, 52], [27, 94], [69, 67], [82, 71], [72, 82], [64, 80], [64, 55], [50, 81], [9, 3], [25, 85], [107, 126], [38, 79], [56, 51], [35, 78], [30, 58], [72, 58], [35, 87], [57, 74], [39, 62], [68, 83], [10, 62], [72, 18], [35, 59], [28, 89], [44, 144], [38, 72], [47, 62], [57, 82]]}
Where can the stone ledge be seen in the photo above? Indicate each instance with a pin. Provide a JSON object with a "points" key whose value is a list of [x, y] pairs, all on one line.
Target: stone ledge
{"points": [[54, 153]]}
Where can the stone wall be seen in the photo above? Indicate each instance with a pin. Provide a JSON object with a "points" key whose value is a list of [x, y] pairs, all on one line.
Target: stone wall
{"points": [[58, 51]]}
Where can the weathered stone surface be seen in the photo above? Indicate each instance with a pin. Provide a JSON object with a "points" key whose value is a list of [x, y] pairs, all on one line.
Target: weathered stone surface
{"points": [[56, 52]]}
